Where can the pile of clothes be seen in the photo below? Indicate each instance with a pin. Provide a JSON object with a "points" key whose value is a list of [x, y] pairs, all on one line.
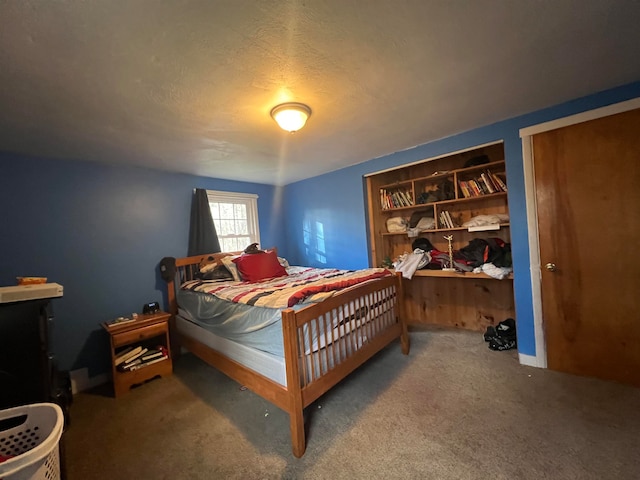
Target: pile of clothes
{"points": [[491, 256]]}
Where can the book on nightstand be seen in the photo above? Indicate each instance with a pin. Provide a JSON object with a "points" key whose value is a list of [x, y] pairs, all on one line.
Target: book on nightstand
{"points": [[119, 321], [151, 354], [143, 364], [127, 354], [139, 352]]}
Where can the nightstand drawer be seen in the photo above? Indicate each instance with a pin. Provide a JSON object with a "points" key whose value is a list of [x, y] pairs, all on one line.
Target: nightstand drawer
{"points": [[139, 334]]}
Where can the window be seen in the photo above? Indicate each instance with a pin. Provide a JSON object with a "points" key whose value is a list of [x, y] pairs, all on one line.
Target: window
{"points": [[235, 216]]}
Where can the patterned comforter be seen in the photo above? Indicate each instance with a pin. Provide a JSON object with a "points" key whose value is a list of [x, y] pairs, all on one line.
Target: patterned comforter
{"points": [[302, 285]]}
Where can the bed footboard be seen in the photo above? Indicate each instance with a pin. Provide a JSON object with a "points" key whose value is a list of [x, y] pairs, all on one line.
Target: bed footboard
{"points": [[325, 342]]}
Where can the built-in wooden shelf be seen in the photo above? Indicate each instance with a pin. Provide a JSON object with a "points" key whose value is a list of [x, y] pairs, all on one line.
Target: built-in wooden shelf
{"points": [[447, 230], [441, 273], [436, 296]]}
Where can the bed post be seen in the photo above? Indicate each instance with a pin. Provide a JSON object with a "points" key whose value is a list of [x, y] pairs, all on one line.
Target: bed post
{"points": [[173, 310], [404, 336], [171, 297], [294, 389]]}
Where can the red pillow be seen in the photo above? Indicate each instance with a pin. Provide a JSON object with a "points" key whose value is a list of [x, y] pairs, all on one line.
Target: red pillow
{"points": [[254, 267]]}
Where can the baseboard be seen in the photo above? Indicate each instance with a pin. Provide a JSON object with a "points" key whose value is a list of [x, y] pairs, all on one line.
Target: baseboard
{"points": [[80, 380], [530, 361]]}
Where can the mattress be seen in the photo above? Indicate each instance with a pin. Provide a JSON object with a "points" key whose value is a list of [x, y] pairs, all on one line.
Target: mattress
{"points": [[347, 339], [261, 328], [255, 327], [250, 313], [264, 363], [326, 351], [252, 335]]}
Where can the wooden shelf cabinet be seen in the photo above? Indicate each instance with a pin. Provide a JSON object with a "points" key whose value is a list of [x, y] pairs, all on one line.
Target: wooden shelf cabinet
{"points": [[470, 301], [148, 330]]}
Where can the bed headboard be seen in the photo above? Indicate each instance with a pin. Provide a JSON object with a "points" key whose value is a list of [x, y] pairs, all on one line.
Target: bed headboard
{"points": [[186, 269]]}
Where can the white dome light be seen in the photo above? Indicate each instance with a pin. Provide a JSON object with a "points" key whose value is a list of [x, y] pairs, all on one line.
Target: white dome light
{"points": [[291, 116]]}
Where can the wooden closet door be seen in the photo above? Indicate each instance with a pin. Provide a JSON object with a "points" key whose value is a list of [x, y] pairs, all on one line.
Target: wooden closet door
{"points": [[587, 179]]}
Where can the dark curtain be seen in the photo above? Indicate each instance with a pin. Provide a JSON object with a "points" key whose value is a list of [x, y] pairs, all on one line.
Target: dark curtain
{"points": [[202, 232]]}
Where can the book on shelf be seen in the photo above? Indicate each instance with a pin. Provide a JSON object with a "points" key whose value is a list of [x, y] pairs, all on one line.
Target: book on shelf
{"points": [[143, 364], [449, 219], [446, 220], [129, 352], [390, 200], [464, 188], [125, 367], [397, 198], [483, 186], [384, 199], [488, 182], [475, 188], [406, 198], [500, 182], [135, 356], [151, 354], [495, 185], [158, 354], [121, 355]]}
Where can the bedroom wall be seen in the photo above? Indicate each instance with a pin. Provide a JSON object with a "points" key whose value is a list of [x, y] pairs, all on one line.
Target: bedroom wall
{"points": [[100, 231], [337, 200]]}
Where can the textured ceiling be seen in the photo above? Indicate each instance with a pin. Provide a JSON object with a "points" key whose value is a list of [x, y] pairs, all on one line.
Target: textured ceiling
{"points": [[187, 85]]}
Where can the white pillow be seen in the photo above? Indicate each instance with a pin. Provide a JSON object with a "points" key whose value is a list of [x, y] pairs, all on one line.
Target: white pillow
{"points": [[284, 262], [232, 267]]}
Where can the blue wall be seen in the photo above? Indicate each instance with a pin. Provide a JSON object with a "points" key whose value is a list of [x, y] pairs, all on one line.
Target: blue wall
{"points": [[331, 208], [100, 231], [337, 200]]}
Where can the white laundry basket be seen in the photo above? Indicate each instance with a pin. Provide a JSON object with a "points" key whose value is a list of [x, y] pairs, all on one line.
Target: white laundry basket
{"points": [[30, 435]]}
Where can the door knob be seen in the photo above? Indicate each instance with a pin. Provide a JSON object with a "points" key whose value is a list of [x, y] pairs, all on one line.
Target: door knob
{"points": [[551, 267]]}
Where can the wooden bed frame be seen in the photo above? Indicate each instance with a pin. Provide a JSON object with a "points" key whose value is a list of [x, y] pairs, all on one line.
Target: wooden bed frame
{"points": [[309, 375]]}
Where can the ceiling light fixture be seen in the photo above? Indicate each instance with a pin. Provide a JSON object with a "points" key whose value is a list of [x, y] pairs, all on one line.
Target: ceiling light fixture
{"points": [[291, 116]]}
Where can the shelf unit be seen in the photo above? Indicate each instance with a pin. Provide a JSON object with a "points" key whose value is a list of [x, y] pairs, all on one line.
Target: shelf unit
{"points": [[467, 300]]}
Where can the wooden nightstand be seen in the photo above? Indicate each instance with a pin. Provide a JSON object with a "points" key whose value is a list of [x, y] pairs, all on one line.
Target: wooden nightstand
{"points": [[147, 331]]}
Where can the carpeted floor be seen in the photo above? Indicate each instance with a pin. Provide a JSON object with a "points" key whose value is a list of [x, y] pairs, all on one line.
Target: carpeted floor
{"points": [[452, 409]]}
